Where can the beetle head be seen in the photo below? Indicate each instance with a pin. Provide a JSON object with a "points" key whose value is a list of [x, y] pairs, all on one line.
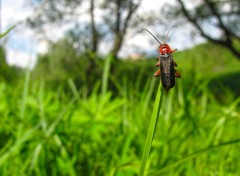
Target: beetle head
{"points": [[164, 48]]}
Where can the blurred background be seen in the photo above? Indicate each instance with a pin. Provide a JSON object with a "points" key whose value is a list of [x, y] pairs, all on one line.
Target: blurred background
{"points": [[77, 87]]}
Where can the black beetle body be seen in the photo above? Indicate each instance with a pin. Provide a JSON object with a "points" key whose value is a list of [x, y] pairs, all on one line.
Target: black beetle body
{"points": [[166, 63], [167, 71]]}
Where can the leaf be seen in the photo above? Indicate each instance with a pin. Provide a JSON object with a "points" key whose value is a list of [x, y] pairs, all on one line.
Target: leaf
{"points": [[6, 32]]}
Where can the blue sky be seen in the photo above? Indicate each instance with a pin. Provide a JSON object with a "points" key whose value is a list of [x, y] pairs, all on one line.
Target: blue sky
{"points": [[22, 44]]}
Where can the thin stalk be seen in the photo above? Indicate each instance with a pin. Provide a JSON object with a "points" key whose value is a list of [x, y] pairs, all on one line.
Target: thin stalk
{"points": [[23, 104], [25, 94], [151, 129], [106, 73]]}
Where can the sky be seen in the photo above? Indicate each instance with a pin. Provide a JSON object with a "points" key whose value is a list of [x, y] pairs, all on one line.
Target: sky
{"points": [[22, 45]]}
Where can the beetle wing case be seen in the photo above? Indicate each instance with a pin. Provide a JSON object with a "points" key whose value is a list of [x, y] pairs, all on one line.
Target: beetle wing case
{"points": [[167, 71]]}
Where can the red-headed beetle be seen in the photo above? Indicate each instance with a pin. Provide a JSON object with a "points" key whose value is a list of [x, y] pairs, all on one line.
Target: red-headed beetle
{"points": [[166, 63]]}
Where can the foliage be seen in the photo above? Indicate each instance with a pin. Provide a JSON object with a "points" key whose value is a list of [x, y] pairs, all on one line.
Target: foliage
{"points": [[8, 73], [57, 66], [47, 130]]}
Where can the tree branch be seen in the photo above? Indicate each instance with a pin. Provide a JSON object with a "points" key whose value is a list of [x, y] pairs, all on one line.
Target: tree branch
{"points": [[93, 28], [121, 30], [227, 42], [221, 24]]}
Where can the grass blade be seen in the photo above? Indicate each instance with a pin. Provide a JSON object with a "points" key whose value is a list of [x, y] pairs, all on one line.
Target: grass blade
{"points": [[7, 31], [151, 130], [194, 155], [106, 73]]}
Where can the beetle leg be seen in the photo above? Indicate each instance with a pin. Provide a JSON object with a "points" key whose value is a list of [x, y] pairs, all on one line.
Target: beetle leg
{"points": [[177, 74], [158, 64], [157, 73], [158, 58], [174, 63], [172, 51]]}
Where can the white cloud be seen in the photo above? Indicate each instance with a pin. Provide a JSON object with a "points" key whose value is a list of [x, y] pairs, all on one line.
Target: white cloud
{"points": [[42, 46], [13, 11], [21, 58], [19, 48]]}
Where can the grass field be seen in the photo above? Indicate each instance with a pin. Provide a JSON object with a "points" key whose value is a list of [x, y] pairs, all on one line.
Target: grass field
{"points": [[48, 131]]}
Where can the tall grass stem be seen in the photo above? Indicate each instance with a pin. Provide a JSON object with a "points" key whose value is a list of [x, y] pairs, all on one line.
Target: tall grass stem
{"points": [[151, 129], [106, 72]]}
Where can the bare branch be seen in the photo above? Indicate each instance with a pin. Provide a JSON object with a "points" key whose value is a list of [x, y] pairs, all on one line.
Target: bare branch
{"points": [[122, 23], [228, 35]]}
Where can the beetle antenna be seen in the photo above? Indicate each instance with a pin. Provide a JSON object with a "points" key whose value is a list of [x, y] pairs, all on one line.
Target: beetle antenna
{"points": [[151, 35], [168, 32]]}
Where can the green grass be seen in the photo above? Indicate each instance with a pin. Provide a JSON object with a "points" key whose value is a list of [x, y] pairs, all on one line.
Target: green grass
{"points": [[51, 131], [151, 129]]}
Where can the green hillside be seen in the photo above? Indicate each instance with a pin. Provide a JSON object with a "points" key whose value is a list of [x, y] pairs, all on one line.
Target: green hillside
{"points": [[205, 62], [208, 58], [213, 63]]}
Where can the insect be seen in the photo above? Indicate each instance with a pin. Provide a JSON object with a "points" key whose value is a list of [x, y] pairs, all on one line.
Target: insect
{"points": [[166, 63]]}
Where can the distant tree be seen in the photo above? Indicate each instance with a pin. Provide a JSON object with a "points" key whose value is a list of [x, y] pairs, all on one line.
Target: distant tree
{"points": [[62, 12], [224, 15], [119, 16], [84, 37], [59, 63], [94, 31]]}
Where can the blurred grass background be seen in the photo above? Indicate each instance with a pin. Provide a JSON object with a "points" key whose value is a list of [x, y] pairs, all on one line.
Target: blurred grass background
{"points": [[79, 112], [95, 122]]}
